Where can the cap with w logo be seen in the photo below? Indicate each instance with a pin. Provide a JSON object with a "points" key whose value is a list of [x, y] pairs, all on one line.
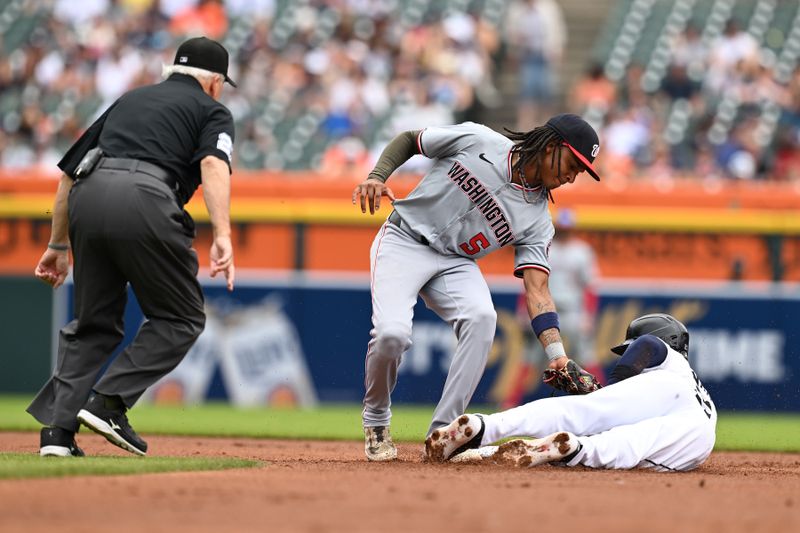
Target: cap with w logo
{"points": [[579, 137]]}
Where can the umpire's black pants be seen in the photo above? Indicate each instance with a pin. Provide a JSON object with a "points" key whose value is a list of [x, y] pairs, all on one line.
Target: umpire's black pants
{"points": [[124, 228]]}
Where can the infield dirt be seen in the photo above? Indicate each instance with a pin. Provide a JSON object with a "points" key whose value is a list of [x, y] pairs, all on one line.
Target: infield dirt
{"points": [[313, 486]]}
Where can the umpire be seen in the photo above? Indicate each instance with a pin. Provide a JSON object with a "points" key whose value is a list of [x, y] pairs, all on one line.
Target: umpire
{"points": [[119, 205]]}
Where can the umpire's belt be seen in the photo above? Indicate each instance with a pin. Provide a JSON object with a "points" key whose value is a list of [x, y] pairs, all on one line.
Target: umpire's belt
{"points": [[140, 167], [398, 221]]}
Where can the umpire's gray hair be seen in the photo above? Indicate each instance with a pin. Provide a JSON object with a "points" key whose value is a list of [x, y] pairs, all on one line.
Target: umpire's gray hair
{"points": [[198, 73]]}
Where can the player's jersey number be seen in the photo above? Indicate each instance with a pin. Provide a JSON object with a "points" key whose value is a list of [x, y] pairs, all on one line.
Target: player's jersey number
{"points": [[702, 396], [475, 244]]}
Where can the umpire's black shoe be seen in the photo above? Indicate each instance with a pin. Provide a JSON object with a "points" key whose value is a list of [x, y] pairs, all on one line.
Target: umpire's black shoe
{"points": [[57, 442], [106, 415]]}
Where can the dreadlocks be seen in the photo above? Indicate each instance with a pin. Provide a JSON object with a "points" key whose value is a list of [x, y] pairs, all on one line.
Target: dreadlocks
{"points": [[531, 146]]}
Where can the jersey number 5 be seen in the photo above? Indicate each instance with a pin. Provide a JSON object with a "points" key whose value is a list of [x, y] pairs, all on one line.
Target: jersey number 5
{"points": [[476, 244]]}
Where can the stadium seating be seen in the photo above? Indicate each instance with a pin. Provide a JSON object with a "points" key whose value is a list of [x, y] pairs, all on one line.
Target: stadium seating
{"points": [[305, 66]]}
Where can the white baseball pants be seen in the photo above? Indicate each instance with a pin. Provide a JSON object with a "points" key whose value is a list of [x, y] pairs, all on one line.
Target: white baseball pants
{"points": [[652, 420]]}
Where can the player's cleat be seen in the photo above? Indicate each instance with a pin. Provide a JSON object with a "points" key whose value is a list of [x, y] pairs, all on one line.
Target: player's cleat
{"points": [[378, 444], [57, 442], [463, 433], [106, 415], [534, 452]]}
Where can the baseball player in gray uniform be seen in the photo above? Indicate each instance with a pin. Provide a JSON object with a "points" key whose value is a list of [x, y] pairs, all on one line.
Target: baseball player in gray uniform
{"points": [[484, 191]]}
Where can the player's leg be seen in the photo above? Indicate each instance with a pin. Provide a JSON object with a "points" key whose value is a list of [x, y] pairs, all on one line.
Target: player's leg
{"points": [[461, 297], [633, 400], [399, 268], [679, 441]]}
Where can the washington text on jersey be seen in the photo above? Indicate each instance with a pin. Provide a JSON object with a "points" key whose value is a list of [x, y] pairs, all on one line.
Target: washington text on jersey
{"points": [[484, 201]]}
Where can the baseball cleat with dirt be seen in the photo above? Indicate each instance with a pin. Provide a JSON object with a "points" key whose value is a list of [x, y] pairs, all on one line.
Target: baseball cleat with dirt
{"points": [[378, 445], [463, 433], [534, 452]]}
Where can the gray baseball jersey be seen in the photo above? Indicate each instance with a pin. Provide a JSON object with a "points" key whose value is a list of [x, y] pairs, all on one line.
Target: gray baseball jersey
{"points": [[467, 205]]}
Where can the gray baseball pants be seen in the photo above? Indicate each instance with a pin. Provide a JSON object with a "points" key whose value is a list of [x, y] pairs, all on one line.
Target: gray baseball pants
{"points": [[454, 288]]}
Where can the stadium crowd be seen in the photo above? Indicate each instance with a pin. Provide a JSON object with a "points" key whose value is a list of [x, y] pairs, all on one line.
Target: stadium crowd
{"points": [[313, 74], [640, 142], [324, 84]]}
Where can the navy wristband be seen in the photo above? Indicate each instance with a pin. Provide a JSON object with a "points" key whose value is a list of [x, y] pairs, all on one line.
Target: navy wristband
{"points": [[545, 321]]}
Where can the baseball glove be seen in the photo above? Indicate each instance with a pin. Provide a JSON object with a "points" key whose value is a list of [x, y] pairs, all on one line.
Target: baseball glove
{"points": [[571, 379]]}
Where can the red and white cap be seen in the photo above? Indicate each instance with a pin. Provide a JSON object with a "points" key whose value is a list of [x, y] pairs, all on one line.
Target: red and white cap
{"points": [[579, 137]]}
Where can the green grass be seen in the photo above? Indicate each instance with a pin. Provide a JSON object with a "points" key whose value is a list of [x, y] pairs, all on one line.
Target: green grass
{"points": [[18, 465], [329, 422], [758, 432], [735, 431]]}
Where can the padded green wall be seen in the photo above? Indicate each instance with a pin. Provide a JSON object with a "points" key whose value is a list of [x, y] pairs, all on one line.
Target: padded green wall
{"points": [[26, 311]]}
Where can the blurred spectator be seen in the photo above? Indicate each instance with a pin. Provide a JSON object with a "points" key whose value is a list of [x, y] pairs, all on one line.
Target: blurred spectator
{"points": [[250, 8], [346, 157], [65, 10], [116, 72], [631, 86], [737, 155], [537, 37], [787, 157], [688, 50], [594, 91], [732, 47], [207, 18], [625, 141], [705, 165], [753, 84], [677, 84], [170, 8]]}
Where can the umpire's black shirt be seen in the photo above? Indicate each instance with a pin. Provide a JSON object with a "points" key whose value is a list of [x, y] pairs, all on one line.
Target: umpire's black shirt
{"points": [[172, 124]]}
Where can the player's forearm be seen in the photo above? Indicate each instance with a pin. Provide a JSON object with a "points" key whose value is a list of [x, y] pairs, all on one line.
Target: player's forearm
{"points": [[59, 231], [542, 310], [398, 151], [537, 293], [548, 335], [217, 194]]}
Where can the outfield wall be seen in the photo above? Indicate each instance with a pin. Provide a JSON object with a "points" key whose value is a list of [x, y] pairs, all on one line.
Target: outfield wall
{"points": [[284, 339], [656, 238], [301, 221]]}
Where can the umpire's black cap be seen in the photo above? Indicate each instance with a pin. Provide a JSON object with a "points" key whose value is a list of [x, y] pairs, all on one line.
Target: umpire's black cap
{"points": [[579, 137], [201, 52]]}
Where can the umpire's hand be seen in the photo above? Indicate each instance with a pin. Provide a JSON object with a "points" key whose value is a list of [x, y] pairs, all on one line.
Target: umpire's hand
{"points": [[53, 267], [222, 259], [370, 190]]}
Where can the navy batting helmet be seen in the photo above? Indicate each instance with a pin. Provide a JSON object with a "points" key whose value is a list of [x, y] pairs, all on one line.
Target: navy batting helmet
{"points": [[665, 327]]}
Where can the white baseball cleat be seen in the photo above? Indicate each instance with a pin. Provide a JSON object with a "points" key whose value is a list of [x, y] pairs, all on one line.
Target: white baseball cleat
{"points": [[534, 452], [463, 433], [378, 445]]}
